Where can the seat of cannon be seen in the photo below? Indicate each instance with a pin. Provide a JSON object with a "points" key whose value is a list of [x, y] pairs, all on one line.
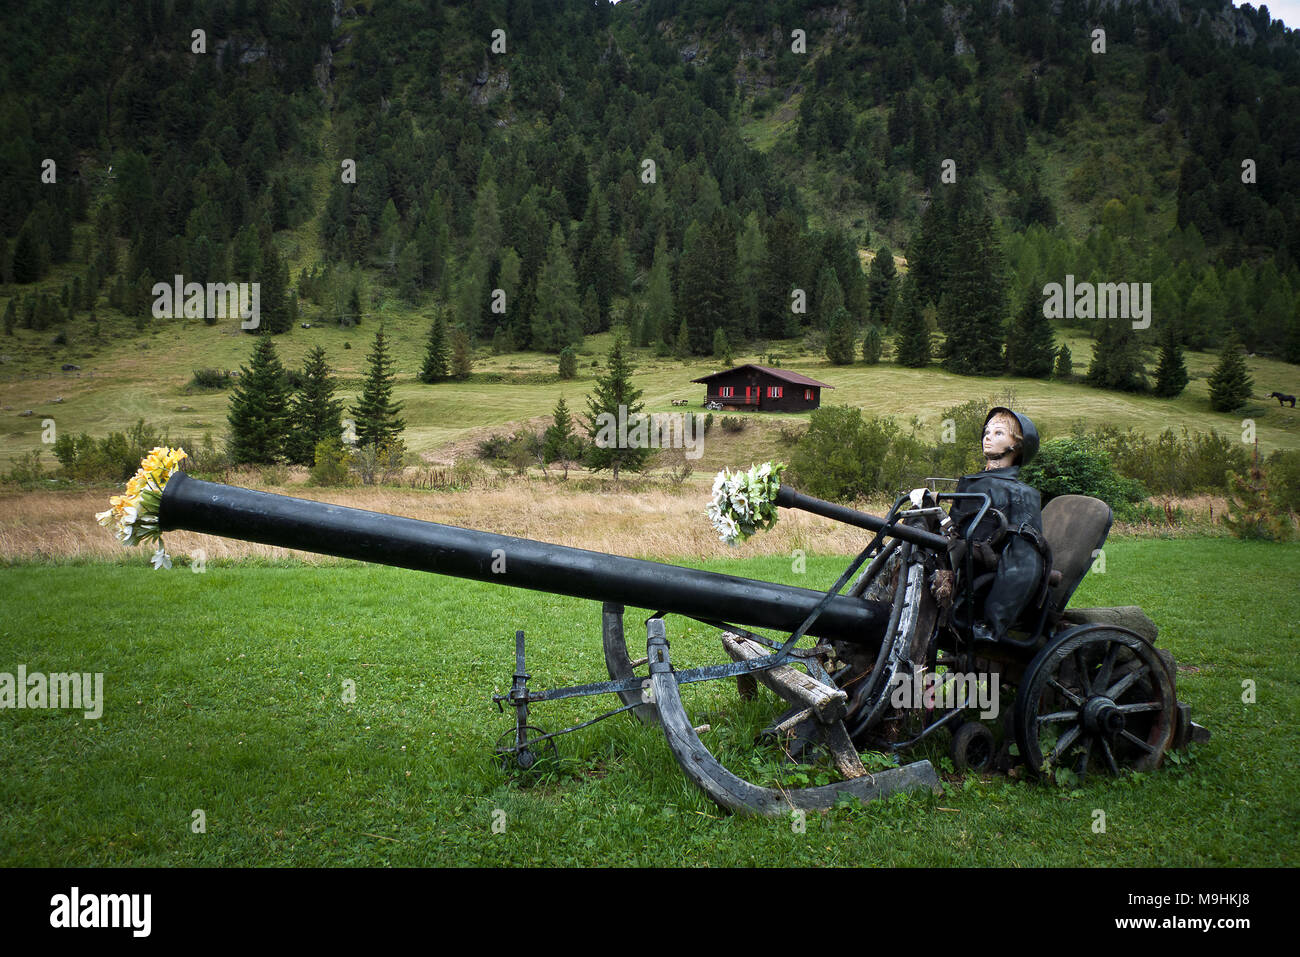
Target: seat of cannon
{"points": [[1131, 617]]}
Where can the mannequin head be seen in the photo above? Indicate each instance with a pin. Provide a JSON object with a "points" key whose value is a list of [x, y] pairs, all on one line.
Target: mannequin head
{"points": [[1002, 441]]}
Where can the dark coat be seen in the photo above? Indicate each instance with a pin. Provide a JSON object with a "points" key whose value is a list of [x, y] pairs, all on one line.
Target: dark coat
{"points": [[1020, 565]]}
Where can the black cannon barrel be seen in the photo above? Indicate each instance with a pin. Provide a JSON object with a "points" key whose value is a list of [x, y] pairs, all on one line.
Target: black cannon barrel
{"points": [[786, 497], [231, 512]]}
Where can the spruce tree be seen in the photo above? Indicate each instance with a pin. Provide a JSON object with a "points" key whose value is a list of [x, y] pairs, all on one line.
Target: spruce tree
{"points": [[722, 346], [880, 286], [435, 356], [462, 354], [872, 344], [1117, 359], [615, 401], [557, 315], [1230, 383], [828, 298], [913, 342], [839, 337], [568, 363], [259, 408], [314, 413], [1064, 363], [974, 290], [560, 443], [1031, 346], [11, 317], [376, 414], [1171, 374], [682, 345], [273, 296]]}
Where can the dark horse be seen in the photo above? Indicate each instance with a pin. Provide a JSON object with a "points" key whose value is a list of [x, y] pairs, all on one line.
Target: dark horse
{"points": [[1281, 399]]}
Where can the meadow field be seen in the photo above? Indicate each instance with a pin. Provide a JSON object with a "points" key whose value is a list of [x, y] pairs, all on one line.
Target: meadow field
{"points": [[226, 702]]}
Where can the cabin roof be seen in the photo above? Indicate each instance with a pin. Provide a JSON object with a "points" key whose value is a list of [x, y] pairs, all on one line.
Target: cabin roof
{"points": [[794, 378]]}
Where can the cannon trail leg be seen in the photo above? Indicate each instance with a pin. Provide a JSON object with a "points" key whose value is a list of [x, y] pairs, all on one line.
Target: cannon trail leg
{"points": [[735, 793], [619, 664]]}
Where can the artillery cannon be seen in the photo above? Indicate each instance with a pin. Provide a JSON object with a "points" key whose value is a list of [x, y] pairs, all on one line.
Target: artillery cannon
{"points": [[885, 630]]}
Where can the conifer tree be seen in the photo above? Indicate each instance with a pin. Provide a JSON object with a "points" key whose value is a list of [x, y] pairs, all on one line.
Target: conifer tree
{"points": [[880, 286], [314, 413], [828, 298], [615, 400], [1031, 346], [557, 315], [1171, 374], [1117, 360], [872, 344], [1230, 383], [913, 342], [560, 443], [1064, 363], [568, 363], [682, 344], [376, 414], [839, 337], [462, 354], [259, 408], [435, 356]]}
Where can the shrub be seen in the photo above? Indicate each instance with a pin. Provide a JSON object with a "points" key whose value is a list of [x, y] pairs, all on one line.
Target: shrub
{"points": [[1081, 466], [493, 447], [1282, 470], [380, 464], [274, 475], [27, 471], [843, 456], [209, 379], [114, 458], [331, 463], [733, 423]]}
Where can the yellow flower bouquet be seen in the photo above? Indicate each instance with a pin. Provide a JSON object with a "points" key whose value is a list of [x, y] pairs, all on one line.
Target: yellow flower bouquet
{"points": [[134, 516]]}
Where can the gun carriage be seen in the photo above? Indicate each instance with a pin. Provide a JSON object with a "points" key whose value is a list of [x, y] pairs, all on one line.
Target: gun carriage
{"points": [[1091, 690]]}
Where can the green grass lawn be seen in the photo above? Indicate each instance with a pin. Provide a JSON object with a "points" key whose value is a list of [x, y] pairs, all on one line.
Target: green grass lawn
{"points": [[224, 692]]}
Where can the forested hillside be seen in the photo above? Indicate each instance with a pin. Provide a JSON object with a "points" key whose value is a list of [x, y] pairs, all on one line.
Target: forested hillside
{"points": [[537, 171]]}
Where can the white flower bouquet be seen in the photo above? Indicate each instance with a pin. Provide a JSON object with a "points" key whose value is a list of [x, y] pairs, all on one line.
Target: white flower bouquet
{"points": [[744, 503]]}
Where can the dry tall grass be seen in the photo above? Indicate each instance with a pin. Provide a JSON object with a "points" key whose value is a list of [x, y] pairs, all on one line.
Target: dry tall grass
{"points": [[656, 523]]}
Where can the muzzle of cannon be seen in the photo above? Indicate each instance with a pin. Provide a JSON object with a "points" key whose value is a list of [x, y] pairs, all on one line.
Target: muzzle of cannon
{"points": [[231, 512]]}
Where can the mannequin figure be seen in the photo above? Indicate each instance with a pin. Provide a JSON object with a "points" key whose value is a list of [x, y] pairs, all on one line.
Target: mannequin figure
{"points": [[1009, 441]]}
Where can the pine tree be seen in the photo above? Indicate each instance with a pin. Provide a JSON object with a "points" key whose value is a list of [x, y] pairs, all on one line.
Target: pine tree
{"points": [[1230, 383], [376, 414], [880, 286], [273, 296], [557, 315], [435, 357], [1117, 360], [872, 345], [462, 354], [659, 323], [1031, 346], [839, 337], [1064, 363], [971, 307], [11, 317], [682, 344], [1171, 374], [616, 401], [259, 408], [559, 442], [314, 413], [913, 342], [568, 363], [828, 298], [721, 346]]}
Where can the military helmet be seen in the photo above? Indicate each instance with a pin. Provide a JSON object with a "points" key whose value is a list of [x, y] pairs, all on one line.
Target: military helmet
{"points": [[1029, 444]]}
